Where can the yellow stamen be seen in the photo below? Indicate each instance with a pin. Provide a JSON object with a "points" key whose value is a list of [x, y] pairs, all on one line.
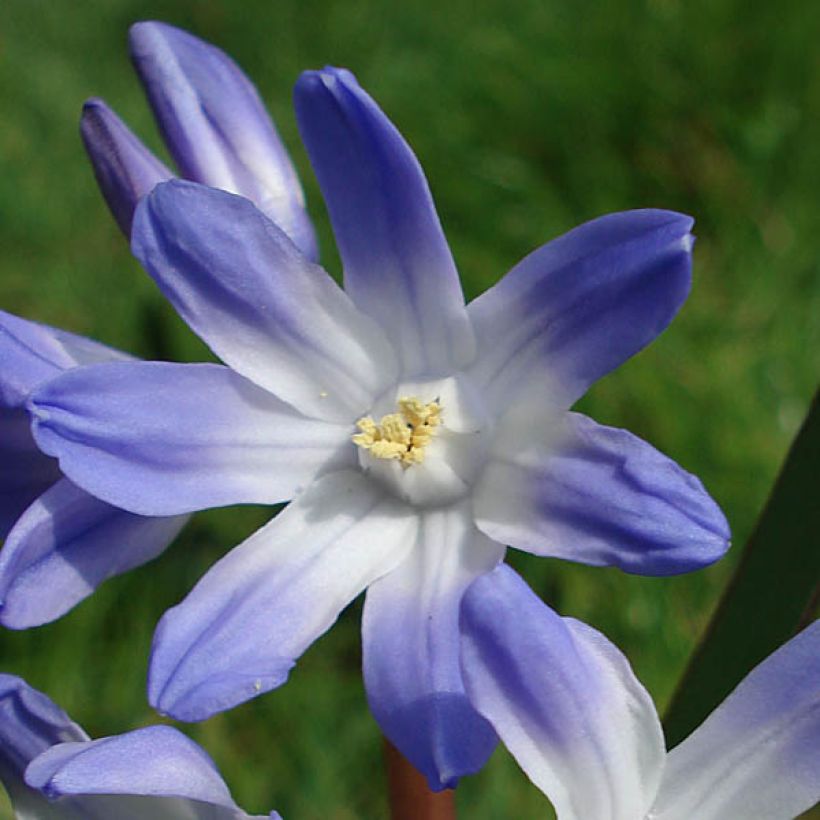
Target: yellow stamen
{"points": [[401, 436]]}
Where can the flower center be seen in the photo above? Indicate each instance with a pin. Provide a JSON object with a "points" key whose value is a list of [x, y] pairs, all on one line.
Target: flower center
{"points": [[429, 442], [401, 436]]}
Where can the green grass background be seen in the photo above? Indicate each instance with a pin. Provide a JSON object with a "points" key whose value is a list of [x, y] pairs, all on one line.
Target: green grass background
{"points": [[529, 117]]}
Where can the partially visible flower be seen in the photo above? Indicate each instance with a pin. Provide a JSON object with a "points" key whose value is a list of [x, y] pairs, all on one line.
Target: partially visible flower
{"points": [[214, 125], [52, 771], [60, 542], [417, 436], [567, 705]]}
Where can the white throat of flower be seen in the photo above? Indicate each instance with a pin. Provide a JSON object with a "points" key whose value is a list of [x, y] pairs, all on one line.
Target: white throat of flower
{"points": [[429, 442]]}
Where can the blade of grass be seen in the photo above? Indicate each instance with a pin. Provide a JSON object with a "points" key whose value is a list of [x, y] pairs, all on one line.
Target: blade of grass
{"points": [[773, 591]]}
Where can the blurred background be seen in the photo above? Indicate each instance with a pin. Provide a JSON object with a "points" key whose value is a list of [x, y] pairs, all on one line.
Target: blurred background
{"points": [[529, 118]]}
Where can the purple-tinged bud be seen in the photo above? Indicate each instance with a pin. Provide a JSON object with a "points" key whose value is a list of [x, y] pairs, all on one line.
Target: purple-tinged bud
{"points": [[125, 169]]}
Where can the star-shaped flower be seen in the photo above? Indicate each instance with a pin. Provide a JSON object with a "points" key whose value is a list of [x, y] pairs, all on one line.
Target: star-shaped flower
{"points": [[416, 436]]}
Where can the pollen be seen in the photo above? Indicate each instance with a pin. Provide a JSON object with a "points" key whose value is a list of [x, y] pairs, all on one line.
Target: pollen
{"points": [[401, 436]]}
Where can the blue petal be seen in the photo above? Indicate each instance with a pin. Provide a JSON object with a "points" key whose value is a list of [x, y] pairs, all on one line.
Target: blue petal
{"points": [[29, 724], [563, 700], [756, 756], [161, 439], [241, 629], [25, 472], [579, 306], [64, 546], [216, 127], [604, 498], [261, 306], [411, 640], [397, 265], [156, 761], [125, 169], [32, 353]]}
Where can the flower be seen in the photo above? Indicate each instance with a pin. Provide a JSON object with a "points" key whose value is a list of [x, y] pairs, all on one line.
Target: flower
{"points": [[214, 125], [60, 542], [568, 707], [52, 770], [416, 436]]}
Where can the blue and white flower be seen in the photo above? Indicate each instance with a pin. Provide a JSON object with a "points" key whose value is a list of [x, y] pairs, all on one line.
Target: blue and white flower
{"points": [[416, 436], [53, 771], [567, 705]]}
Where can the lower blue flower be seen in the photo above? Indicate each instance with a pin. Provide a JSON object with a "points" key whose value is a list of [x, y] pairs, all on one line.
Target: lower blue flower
{"points": [[53, 771]]}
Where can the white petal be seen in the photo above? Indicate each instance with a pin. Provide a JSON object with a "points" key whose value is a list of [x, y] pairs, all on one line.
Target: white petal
{"points": [[241, 629]]}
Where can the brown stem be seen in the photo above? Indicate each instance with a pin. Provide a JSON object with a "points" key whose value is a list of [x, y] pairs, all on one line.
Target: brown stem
{"points": [[410, 798]]}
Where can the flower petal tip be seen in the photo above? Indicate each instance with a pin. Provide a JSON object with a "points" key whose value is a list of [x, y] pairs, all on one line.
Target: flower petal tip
{"points": [[154, 40], [656, 218], [145, 33], [8, 620], [449, 739], [124, 168], [94, 104], [327, 77], [50, 789], [196, 700]]}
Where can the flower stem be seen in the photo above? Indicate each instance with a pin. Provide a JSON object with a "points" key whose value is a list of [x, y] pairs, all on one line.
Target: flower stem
{"points": [[410, 797]]}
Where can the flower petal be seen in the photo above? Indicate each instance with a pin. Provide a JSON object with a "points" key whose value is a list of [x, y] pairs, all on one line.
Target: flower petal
{"points": [[29, 724], [241, 629], [216, 127], [157, 760], [125, 169], [162, 439], [25, 472], [605, 498], [397, 265], [32, 353], [64, 546], [411, 639], [756, 756], [582, 304], [258, 303], [563, 700]]}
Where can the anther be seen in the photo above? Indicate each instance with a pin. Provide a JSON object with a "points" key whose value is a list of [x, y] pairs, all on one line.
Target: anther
{"points": [[401, 436]]}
